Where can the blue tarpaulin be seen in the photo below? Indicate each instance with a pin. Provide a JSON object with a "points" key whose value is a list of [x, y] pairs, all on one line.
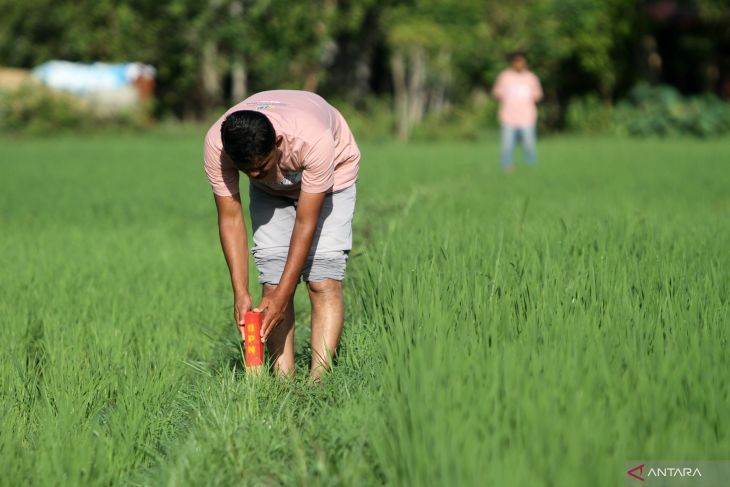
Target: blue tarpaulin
{"points": [[83, 79]]}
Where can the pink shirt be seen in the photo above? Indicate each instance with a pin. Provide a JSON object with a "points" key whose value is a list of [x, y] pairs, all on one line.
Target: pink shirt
{"points": [[518, 92], [319, 153]]}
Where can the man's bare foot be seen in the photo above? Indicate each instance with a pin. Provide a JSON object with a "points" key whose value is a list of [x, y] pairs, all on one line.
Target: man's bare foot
{"points": [[256, 370], [316, 373]]}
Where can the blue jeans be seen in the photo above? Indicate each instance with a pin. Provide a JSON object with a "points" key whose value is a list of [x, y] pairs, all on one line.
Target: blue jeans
{"points": [[526, 135]]}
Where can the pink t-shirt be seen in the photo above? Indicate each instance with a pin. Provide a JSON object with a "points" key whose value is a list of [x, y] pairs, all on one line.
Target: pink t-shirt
{"points": [[518, 92], [319, 153]]}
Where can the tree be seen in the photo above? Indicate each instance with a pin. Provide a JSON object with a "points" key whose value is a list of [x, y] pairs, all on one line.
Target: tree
{"points": [[426, 40]]}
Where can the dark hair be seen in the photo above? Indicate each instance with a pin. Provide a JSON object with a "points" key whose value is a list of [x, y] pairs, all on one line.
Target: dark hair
{"points": [[515, 54], [247, 135]]}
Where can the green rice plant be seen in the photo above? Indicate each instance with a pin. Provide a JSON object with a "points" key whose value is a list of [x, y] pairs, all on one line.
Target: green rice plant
{"points": [[545, 330], [533, 329]]}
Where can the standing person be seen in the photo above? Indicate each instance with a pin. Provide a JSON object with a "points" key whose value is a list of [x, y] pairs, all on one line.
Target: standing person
{"points": [[518, 90], [302, 163]]}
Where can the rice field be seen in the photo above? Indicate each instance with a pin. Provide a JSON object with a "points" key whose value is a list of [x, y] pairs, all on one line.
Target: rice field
{"points": [[534, 329]]}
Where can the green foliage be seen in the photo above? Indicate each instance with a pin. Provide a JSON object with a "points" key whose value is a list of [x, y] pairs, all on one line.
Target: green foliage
{"points": [[574, 46], [651, 111], [465, 122], [36, 109], [589, 114], [663, 111], [373, 120], [282, 41], [591, 33]]}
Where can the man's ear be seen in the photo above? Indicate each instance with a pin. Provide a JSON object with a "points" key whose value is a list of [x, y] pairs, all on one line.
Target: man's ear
{"points": [[279, 140]]}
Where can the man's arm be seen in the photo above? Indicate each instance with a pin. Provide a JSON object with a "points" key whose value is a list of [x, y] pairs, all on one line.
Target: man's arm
{"points": [[537, 89], [308, 209], [235, 245], [497, 90]]}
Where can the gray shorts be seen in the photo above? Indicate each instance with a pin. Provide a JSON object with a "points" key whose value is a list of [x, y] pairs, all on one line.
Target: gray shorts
{"points": [[272, 219]]}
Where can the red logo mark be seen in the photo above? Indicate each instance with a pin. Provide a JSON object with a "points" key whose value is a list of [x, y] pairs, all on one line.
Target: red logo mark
{"points": [[633, 473]]}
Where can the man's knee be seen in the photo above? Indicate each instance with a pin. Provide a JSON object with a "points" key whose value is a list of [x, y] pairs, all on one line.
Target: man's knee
{"points": [[325, 287]]}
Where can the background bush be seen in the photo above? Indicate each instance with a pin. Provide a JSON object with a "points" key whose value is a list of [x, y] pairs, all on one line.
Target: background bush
{"points": [[374, 120], [589, 114], [466, 121], [663, 111], [651, 111], [460, 123], [37, 109]]}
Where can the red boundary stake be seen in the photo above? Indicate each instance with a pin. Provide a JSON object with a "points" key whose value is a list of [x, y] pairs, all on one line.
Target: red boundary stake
{"points": [[251, 334]]}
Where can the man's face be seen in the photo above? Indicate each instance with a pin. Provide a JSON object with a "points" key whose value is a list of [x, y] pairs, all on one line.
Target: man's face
{"points": [[519, 63], [263, 165]]}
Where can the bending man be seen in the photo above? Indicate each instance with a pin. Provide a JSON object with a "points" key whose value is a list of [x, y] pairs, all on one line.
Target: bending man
{"points": [[302, 163]]}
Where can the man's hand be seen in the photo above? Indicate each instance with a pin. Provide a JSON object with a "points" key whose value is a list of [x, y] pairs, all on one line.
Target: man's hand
{"points": [[273, 307], [241, 305]]}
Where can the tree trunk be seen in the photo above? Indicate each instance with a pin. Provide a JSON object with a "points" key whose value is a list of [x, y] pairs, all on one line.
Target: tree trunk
{"points": [[211, 77], [311, 78], [327, 46], [409, 71], [353, 65], [417, 85], [400, 93], [239, 79], [437, 101]]}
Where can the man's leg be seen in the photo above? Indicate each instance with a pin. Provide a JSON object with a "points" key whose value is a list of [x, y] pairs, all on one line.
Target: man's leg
{"points": [[328, 315], [507, 147], [529, 144], [280, 343], [324, 272]]}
